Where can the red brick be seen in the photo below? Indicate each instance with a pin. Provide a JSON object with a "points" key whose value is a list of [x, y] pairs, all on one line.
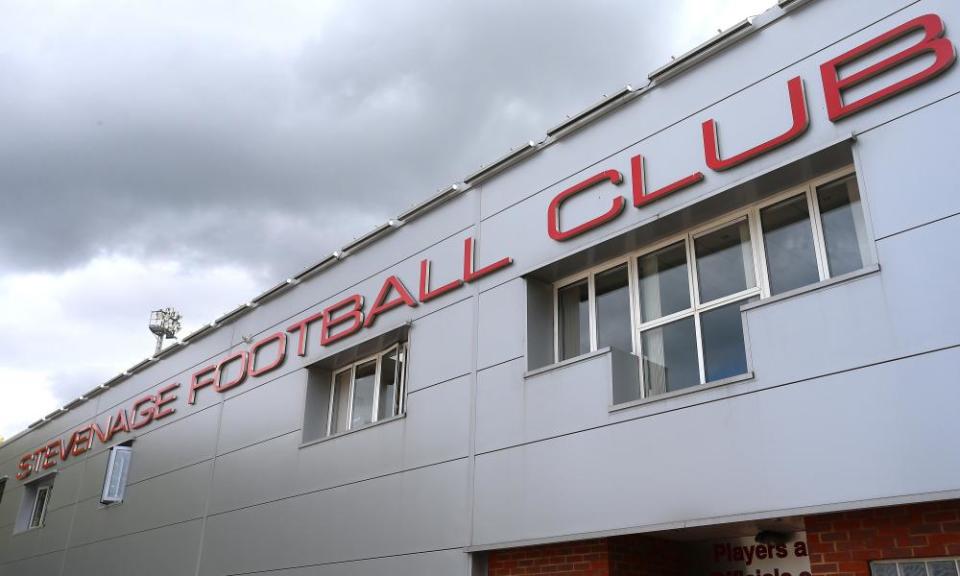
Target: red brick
{"points": [[926, 529], [835, 536], [940, 516]]}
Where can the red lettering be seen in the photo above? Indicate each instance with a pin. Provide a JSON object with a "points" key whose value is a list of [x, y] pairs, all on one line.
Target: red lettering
{"points": [[25, 466], [381, 304], [103, 436], [301, 327], [801, 121], [162, 400], [281, 340], [197, 382], [80, 442], [147, 414], [354, 306], [933, 43], [553, 211], [121, 424], [221, 386], [426, 293], [640, 195], [67, 449], [50, 454], [470, 273], [38, 458]]}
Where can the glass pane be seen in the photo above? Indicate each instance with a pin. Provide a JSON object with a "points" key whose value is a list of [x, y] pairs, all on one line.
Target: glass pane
{"points": [[613, 309], [913, 569], [723, 349], [388, 387], [844, 230], [724, 262], [943, 568], [788, 242], [118, 475], [884, 569], [39, 507], [670, 357], [574, 320], [341, 402], [664, 282], [364, 384]]}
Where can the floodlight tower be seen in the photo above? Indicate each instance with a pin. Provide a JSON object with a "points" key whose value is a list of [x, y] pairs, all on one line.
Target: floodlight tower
{"points": [[164, 323]]}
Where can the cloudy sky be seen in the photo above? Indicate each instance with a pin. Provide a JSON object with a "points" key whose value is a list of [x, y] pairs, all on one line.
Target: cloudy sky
{"points": [[190, 154]]}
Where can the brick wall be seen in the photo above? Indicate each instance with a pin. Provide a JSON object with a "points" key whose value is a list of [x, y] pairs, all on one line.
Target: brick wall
{"points": [[584, 558], [844, 543], [634, 555]]}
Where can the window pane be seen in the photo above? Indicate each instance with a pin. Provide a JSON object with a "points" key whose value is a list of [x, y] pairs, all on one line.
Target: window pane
{"points": [[574, 320], [724, 262], [364, 384], [613, 309], [913, 569], [39, 507], [116, 480], [341, 402], [723, 349], [788, 242], [884, 569], [843, 227], [388, 386], [670, 357], [943, 568], [664, 282]]}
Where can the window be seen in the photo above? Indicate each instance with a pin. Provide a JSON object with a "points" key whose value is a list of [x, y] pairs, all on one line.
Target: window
{"points": [[676, 305], [115, 481], [3, 484], [33, 507], [931, 567], [352, 396]]}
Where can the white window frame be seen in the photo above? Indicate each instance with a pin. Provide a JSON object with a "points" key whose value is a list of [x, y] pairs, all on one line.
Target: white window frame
{"points": [[761, 287], [401, 350], [112, 470], [44, 490]]}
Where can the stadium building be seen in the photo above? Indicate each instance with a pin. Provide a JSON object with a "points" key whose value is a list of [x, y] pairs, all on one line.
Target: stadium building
{"points": [[706, 327]]}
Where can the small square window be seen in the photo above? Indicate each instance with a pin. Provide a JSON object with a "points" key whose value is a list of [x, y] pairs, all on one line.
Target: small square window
{"points": [[355, 395]]}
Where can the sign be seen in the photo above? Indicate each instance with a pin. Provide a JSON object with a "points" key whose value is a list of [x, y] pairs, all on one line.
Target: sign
{"points": [[747, 557], [932, 43]]}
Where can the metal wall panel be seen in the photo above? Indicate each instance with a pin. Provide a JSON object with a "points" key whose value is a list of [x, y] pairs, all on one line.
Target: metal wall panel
{"points": [[255, 474], [777, 449], [263, 412], [434, 430], [46, 565], [167, 551], [172, 498], [502, 330], [420, 510], [441, 346], [908, 167]]}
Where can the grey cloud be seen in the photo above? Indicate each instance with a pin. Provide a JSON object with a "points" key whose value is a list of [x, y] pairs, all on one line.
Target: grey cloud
{"points": [[163, 141]]}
